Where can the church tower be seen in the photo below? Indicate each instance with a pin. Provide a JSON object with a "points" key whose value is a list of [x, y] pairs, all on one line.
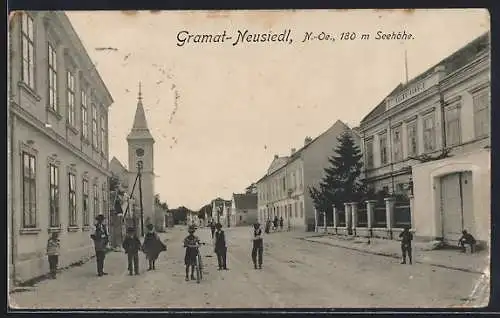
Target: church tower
{"points": [[141, 148]]}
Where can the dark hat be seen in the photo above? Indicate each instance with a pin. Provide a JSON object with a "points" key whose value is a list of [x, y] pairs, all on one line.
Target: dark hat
{"points": [[218, 225], [191, 228], [150, 226], [100, 217]]}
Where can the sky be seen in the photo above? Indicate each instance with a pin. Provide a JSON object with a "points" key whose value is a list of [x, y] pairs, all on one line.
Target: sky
{"points": [[220, 112]]}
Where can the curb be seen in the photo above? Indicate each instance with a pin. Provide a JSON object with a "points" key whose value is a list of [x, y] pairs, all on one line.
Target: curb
{"points": [[395, 256]]}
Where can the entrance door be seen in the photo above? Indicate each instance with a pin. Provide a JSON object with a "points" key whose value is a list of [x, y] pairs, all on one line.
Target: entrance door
{"points": [[456, 198]]}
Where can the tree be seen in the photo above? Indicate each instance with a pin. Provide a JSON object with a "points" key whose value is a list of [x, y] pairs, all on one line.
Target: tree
{"points": [[341, 182]]}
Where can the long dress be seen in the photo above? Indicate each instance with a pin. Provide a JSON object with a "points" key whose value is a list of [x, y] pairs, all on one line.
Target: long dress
{"points": [[153, 246]]}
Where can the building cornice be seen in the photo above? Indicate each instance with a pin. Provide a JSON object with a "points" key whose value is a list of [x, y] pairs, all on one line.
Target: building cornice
{"points": [[37, 124], [480, 64], [65, 29]]}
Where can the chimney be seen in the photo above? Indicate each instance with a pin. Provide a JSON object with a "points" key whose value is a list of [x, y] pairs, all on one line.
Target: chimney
{"points": [[293, 151], [307, 140], [276, 156]]}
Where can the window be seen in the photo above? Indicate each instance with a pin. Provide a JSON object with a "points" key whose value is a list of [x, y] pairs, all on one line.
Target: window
{"points": [[85, 192], [452, 117], [401, 188], [71, 98], [54, 196], [296, 209], [481, 102], [29, 191], [396, 143], [72, 200], [96, 201], [369, 153], [94, 127], [53, 79], [411, 129], [429, 134], [103, 134], [383, 148], [300, 177], [301, 209], [27, 39], [85, 116]]}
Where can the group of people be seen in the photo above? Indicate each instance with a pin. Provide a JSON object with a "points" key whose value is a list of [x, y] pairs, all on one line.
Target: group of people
{"points": [[275, 224], [407, 237]]}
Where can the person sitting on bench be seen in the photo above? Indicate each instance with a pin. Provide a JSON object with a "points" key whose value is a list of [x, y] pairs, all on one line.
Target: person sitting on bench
{"points": [[467, 239]]}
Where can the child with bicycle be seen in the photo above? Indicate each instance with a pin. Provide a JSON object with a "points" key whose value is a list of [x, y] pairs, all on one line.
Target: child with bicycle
{"points": [[191, 243]]}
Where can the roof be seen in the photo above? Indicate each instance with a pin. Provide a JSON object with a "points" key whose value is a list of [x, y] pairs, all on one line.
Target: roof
{"points": [[245, 201], [453, 62], [115, 162], [140, 128], [299, 152]]}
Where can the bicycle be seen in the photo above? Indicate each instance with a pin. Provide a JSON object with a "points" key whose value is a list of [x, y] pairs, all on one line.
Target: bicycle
{"points": [[199, 263]]}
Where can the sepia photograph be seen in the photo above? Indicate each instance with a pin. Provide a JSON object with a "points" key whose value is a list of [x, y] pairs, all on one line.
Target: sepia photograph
{"points": [[249, 159]]}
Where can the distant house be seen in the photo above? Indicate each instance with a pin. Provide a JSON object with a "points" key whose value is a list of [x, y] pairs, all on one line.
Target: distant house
{"points": [[220, 210], [283, 190], [244, 209]]}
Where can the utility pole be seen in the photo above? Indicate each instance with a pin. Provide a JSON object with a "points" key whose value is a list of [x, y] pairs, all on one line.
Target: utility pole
{"points": [[139, 168]]}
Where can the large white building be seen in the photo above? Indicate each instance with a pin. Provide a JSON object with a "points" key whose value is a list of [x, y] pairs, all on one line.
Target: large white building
{"points": [[57, 143], [283, 190], [444, 111]]}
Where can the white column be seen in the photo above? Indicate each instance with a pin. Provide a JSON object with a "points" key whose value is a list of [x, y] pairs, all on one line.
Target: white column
{"points": [[354, 212], [412, 214], [324, 221], [335, 217], [348, 215], [315, 220], [370, 207], [389, 210]]}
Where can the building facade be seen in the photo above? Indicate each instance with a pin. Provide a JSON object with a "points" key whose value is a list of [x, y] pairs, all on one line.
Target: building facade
{"points": [[58, 142], [433, 133], [244, 209], [284, 190], [221, 211]]}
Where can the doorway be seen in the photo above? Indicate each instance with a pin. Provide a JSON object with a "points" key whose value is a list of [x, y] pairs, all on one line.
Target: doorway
{"points": [[456, 205]]}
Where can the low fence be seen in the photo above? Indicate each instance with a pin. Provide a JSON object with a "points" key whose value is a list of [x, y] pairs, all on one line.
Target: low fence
{"points": [[402, 214], [362, 215]]}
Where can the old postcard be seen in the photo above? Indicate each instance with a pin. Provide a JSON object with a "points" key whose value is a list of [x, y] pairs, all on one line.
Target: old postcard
{"points": [[249, 159]]}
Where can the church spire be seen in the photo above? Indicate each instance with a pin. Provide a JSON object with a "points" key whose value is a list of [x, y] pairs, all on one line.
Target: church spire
{"points": [[140, 128]]}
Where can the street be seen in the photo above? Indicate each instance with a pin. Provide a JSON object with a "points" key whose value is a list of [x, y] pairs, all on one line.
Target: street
{"points": [[296, 274]]}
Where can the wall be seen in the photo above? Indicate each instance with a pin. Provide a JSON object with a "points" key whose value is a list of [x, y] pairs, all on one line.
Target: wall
{"points": [[316, 160], [427, 192]]}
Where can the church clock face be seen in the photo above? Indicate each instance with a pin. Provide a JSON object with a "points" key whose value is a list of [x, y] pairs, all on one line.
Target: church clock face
{"points": [[139, 152]]}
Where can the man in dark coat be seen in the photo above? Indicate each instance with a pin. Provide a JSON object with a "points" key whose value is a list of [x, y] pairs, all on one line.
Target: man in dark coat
{"points": [[101, 238], [467, 239], [212, 228], [220, 247], [406, 238]]}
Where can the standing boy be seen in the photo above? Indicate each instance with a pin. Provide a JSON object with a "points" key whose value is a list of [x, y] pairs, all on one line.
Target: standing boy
{"points": [[281, 223], [132, 245], [258, 246], [406, 238], [53, 247], [212, 228], [191, 243], [100, 237], [220, 247]]}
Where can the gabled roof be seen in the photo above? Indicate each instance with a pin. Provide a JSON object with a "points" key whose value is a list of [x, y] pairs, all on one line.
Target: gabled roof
{"points": [[277, 163], [116, 163], [453, 62], [285, 160], [245, 201]]}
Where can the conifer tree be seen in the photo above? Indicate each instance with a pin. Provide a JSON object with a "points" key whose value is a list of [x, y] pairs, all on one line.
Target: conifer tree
{"points": [[341, 181]]}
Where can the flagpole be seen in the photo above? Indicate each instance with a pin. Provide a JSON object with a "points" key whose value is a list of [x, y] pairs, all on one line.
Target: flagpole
{"points": [[406, 67]]}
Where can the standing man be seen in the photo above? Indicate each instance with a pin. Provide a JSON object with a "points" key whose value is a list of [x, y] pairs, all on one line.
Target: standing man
{"points": [[258, 246], [212, 228], [101, 238], [281, 223], [406, 238], [220, 247]]}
